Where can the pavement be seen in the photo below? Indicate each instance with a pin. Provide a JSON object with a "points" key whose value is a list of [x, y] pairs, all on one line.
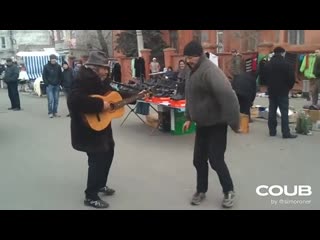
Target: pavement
{"points": [[40, 170]]}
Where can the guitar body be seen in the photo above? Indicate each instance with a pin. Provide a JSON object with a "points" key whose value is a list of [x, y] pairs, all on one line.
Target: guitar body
{"points": [[99, 121]]}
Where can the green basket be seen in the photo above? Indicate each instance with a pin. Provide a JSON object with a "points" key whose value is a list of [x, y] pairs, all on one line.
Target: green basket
{"points": [[178, 121]]}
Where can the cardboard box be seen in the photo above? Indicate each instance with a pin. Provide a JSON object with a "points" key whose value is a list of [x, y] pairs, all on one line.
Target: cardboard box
{"points": [[314, 114], [254, 112]]}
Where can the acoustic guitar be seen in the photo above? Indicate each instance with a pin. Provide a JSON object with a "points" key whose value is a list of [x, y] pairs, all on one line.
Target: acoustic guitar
{"points": [[101, 120]]}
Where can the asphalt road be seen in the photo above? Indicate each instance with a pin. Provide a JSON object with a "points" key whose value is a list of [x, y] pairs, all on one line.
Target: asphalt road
{"points": [[40, 170]]}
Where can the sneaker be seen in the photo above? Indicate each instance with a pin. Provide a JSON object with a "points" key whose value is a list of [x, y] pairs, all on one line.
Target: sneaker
{"points": [[56, 115], [50, 115], [228, 199], [107, 191], [198, 198], [96, 203]]}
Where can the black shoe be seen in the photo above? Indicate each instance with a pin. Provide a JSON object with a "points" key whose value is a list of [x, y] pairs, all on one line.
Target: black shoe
{"points": [[10, 108], [96, 203], [272, 134], [290, 136], [68, 115], [197, 198], [228, 199], [107, 191]]}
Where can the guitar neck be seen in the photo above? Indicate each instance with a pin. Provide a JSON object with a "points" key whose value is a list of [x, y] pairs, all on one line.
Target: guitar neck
{"points": [[126, 101]]}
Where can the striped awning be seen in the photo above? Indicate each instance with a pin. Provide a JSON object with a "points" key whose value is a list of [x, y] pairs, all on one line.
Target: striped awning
{"points": [[34, 65]]}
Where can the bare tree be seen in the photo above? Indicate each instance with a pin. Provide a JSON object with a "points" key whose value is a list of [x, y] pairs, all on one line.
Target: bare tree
{"points": [[52, 42], [103, 41], [249, 39], [95, 39]]}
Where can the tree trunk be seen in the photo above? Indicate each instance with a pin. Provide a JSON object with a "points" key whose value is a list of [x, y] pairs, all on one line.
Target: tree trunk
{"points": [[52, 42], [103, 42]]}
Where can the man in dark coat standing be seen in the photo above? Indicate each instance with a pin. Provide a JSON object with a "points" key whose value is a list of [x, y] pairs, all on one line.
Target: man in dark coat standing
{"points": [[280, 79], [99, 145], [11, 79]]}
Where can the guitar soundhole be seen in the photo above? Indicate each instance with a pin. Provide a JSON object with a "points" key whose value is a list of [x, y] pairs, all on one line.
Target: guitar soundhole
{"points": [[112, 107]]}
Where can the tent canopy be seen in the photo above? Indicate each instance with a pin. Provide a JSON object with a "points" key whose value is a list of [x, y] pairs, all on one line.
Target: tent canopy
{"points": [[35, 61]]}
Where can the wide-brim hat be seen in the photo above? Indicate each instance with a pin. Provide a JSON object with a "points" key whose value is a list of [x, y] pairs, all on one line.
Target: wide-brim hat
{"points": [[97, 58]]}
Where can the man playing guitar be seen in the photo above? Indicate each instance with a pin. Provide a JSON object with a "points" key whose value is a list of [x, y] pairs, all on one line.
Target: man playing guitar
{"points": [[99, 145]]}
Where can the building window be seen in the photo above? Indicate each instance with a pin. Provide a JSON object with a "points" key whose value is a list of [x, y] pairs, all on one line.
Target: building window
{"points": [[3, 42], [55, 34], [73, 34], [204, 36], [296, 37], [58, 35], [174, 39], [197, 35], [219, 41], [61, 35]]}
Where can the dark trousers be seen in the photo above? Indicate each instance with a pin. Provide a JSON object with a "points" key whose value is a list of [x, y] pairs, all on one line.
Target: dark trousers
{"points": [[245, 104], [13, 94], [66, 92], [99, 167], [315, 89], [283, 103], [211, 144]]}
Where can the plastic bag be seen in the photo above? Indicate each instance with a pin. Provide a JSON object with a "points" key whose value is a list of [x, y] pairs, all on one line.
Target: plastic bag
{"points": [[304, 123]]}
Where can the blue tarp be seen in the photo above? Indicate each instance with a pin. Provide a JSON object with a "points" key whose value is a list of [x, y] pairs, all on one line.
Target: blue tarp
{"points": [[34, 65]]}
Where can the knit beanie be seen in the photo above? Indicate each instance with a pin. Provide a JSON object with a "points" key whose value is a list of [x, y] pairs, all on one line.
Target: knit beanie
{"points": [[52, 56], [193, 49]]}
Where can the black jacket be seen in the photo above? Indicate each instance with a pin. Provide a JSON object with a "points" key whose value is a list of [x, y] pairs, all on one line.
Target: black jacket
{"points": [[67, 78], [52, 74], [245, 85], [11, 74], [83, 138], [279, 76]]}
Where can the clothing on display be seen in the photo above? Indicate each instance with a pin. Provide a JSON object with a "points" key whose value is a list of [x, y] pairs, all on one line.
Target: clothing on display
{"points": [[307, 66], [116, 72], [248, 65], [254, 64], [213, 58], [133, 70], [139, 66]]}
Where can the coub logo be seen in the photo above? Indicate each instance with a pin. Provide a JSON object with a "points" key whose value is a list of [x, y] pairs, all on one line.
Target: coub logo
{"points": [[277, 190]]}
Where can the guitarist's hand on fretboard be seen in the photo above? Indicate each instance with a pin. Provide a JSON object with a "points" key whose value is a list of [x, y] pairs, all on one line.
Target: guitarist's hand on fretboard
{"points": [[144, 94]]}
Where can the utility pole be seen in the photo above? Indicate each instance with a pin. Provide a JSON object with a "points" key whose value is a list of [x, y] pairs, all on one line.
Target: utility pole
{"points": [[139, 41]]}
